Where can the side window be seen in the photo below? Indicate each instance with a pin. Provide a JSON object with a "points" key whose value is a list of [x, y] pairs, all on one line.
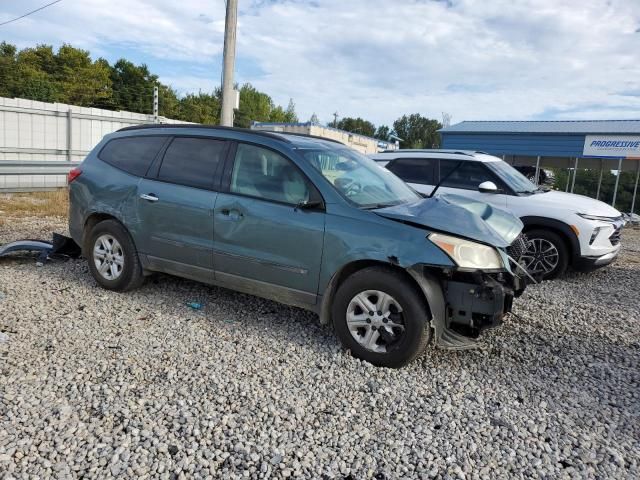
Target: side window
{"points": [[414, 170], [132, 154], [192, 161], [468, 176], [262, 173]]}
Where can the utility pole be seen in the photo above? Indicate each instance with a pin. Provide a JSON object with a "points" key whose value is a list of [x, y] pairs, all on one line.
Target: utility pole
{"points": [[155, 104], [229, 96], [335, 119]]}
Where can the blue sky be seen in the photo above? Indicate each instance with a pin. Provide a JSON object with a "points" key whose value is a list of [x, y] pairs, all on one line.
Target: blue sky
{"points": [[379, 59]]}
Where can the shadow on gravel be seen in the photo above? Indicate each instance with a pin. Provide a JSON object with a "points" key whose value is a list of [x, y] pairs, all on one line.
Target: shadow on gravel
{"points": [[219, 304]]}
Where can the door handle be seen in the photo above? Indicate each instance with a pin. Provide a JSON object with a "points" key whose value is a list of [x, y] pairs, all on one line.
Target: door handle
{"points": [[231, 214], [150, 197]]}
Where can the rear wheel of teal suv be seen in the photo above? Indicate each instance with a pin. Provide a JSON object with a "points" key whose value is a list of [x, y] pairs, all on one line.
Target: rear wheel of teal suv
{"points": [[112, 256]]}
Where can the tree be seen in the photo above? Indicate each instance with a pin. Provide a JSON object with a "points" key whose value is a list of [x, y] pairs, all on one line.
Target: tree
{"points": [[257, 106], [383, 132], [200, 108], [71, 76], [417, 131], [290, 114], [80, 80], [168, 102], [7, 68], [31, 77], [587, 184], [357, 125], [132, 87], [314, 119]]}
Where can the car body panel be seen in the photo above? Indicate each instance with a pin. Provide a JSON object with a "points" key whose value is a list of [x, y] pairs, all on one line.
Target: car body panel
{"points": [[268, 241], [460, 216], [178, 227]]}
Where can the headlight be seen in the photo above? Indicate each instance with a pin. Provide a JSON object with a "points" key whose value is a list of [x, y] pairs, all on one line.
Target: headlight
{"points": [[468, 254], [597, 218]]}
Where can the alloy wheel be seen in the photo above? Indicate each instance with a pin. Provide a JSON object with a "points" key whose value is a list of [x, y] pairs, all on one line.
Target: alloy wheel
{"points": [[541, 256], [108, 257]]}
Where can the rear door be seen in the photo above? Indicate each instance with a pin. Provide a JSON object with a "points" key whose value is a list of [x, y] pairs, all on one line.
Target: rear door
{"points": [[263, 242], [466, 179], [418, 172], [175, 207]]}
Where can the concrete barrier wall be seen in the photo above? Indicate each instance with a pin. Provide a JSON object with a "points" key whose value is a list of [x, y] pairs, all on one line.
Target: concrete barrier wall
{"points": [[40, 142]]}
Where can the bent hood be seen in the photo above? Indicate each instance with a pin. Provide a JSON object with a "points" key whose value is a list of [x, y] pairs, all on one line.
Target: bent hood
{"points": [[459, 216]]}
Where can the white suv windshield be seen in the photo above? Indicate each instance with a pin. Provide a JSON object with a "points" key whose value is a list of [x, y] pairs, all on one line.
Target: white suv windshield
{"points": [[512, 177], [359, 179]]}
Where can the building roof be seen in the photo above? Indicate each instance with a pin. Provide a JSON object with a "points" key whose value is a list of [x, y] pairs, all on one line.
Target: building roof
{"points": [[613, 127]]}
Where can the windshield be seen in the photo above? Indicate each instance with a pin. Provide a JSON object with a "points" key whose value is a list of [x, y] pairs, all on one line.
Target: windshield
{"points": [[359, 179], [512, 177]]}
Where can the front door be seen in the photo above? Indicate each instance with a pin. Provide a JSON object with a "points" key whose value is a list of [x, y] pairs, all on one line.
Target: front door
{"points": [[264, 242], [176, 208]]}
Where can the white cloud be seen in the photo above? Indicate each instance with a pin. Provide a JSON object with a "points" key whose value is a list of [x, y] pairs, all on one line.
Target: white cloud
{"points": [[476, 59]]}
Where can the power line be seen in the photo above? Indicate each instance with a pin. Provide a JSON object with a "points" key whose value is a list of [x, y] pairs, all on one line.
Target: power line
{"points": [[29, 13]]}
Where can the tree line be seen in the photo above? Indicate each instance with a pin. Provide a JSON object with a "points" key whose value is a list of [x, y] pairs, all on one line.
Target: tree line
{"points": [[587, 184], [415, 131], [69, 75]]}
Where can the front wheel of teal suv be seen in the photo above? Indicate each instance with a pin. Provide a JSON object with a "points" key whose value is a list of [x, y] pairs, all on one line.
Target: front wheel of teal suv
{"points": [[381, 317]]}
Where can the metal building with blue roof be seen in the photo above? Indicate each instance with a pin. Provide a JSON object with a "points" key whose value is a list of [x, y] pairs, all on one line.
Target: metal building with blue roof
{"points": [[572, 144]]}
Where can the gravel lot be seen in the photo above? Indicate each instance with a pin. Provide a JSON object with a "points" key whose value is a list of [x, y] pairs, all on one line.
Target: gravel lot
{"points": [[100, 384]]}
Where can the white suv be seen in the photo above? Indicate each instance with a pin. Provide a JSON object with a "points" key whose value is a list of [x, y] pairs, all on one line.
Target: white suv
{"points": [[563, 229]]}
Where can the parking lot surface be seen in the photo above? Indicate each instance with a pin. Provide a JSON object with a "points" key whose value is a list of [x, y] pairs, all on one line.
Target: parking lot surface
{"points": [[98, 384]]}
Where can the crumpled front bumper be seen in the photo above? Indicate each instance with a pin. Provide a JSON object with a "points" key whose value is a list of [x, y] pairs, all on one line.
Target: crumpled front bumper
{"points": [[463, 304], [476, 301]]}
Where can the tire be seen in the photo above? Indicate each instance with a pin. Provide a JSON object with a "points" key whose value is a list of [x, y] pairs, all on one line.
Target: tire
{"points": [[124, 272], [406, 331], [552, 266]]}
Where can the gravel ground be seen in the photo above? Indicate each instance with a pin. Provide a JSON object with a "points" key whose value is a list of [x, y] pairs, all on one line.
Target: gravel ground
{"points": [[100, 384]]}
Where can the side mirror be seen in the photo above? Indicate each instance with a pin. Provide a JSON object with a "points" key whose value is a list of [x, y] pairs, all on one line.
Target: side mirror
{"points": [[487, 187], [310, 205]]}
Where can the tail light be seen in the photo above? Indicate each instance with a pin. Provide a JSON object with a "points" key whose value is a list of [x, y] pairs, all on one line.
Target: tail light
{"points": [[73, 174]]}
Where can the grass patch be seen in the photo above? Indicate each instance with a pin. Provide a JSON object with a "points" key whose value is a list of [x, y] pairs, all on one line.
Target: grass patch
{"points": [[54, 203]]}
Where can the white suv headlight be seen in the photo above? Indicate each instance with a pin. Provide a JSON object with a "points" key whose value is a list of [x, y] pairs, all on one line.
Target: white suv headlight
{"points": [[467, 254]]}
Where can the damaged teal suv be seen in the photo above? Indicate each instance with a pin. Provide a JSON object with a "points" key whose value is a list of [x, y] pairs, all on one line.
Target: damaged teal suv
{"points": [[300, 220]]}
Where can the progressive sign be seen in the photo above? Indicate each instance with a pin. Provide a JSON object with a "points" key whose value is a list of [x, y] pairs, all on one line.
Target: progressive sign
{"points": [[625, 146]]}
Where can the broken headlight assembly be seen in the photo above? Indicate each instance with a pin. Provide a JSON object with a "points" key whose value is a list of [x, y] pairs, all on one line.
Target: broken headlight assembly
{"points": [[467, 254]]}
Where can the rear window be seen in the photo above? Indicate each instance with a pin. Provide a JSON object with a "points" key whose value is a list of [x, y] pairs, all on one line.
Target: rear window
{"points": [[132, 154], [414, 170], [192, 161]]}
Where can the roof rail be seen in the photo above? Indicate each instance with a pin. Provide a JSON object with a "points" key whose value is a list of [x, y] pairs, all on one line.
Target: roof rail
{"points": [[306, 135], [468, 153], [159, 126]]}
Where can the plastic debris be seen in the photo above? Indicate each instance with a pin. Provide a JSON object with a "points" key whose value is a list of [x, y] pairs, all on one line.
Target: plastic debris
{"points": [[194, 305], [60, 245], [4, 338]]}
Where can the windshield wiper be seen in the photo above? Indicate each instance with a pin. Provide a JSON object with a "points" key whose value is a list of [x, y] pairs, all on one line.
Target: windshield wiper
{"points": [[445, 178], [379, 205]]}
